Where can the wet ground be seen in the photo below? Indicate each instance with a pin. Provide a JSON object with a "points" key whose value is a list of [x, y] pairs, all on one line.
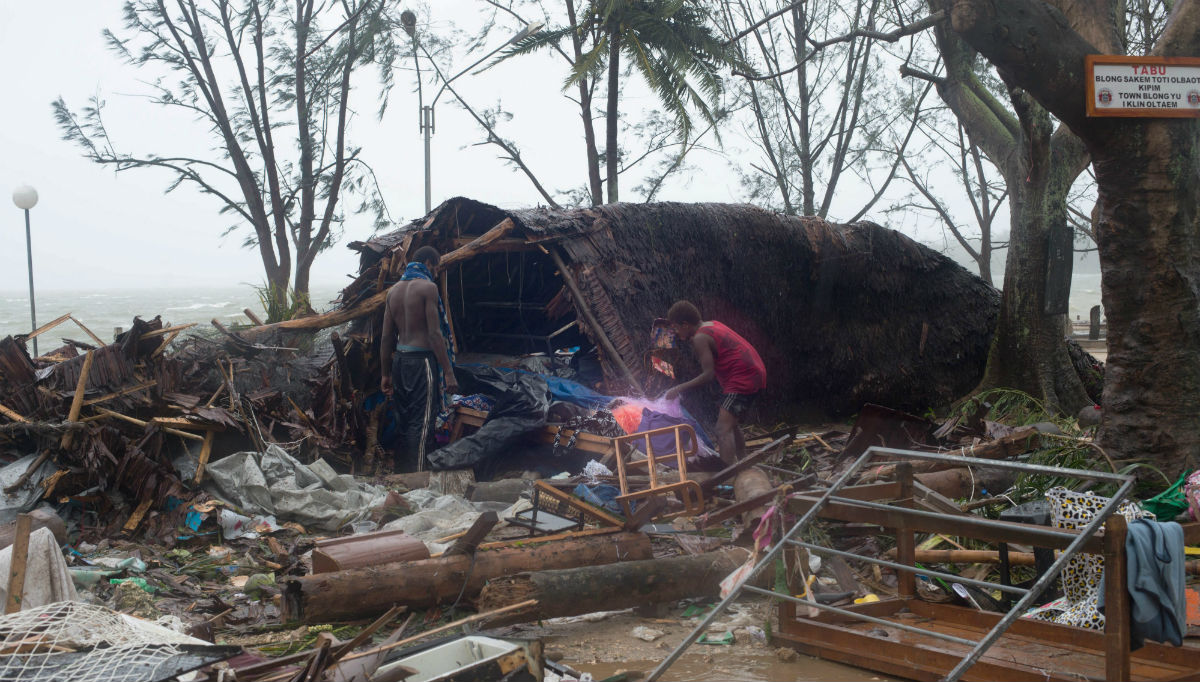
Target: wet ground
{"points": [[605, 645]]}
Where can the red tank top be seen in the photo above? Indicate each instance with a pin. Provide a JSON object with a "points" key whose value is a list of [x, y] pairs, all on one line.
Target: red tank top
{"points": [[739, 368]]}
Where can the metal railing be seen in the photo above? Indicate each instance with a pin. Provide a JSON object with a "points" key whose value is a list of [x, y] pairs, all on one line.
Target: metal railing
{"points": [[1077, 541]]}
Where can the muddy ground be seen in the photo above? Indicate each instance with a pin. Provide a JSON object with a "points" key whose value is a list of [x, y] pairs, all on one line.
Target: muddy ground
{"points": [[604, 645]]}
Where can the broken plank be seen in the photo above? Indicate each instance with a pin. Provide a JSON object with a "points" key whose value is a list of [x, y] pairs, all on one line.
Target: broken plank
{"points": [[77, 400], [749, 461], [469, 542], [174, 329], [135, 519], [138, 422], [47, 327], [252, 317], [16, 573], [124, 391], [97, 339], [205, 453]]}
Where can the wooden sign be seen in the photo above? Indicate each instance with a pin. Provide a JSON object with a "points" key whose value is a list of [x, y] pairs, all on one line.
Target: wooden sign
{"points": [[1153, 87]]}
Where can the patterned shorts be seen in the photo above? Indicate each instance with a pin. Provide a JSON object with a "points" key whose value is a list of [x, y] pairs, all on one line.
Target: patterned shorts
{"points": [[738, 403]]}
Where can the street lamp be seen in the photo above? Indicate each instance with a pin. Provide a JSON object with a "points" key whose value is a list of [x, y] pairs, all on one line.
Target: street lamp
{"points": [[408, 21], [25, 197]]}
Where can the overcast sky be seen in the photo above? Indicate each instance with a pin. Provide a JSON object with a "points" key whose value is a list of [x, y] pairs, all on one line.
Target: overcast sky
{"points": [[93, 229], [96, 229]]}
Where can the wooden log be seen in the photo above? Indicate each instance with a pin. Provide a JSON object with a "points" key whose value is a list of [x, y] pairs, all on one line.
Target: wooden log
{"points": [[368, 549], [16, 572], [753, 484], [966, 482], [476, 246], [365, 592], [576, 591]]}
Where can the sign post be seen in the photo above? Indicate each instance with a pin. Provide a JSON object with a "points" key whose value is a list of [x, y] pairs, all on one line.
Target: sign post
{"points": [[1152, 87]]}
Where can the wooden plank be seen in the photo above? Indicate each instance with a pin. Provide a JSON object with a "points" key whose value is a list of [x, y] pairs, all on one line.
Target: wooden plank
{"points": [[549, 538], [97, 339], [444, 287], [124, 391], [449, 626], [47, 327], [1116, 602], [16, 573], [205, 453], [469, 542], [13, 415], [741, 465], [77, 400], [138, 422], [135, 519]]}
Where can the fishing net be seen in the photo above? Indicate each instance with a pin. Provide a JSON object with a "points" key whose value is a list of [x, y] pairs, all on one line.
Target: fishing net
{"points": [[77, 641]]}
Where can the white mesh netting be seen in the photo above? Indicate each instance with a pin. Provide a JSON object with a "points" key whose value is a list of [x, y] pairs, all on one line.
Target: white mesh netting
{"points": [[78, 641]]}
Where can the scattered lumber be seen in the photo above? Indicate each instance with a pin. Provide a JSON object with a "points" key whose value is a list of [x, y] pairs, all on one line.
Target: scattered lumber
{"points": [[570, 592], [364, 592]]}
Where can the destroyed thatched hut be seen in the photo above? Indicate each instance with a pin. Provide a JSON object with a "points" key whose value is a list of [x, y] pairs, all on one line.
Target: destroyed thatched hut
{"points": [[842, 314]]}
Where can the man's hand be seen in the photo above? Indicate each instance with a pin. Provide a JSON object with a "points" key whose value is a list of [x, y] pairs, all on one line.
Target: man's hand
{"points": [[451, 386], [385, 384], [672, 393]]}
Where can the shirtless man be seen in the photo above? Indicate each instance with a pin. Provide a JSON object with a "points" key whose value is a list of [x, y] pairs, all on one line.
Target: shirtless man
{"points": [[412, 340]]}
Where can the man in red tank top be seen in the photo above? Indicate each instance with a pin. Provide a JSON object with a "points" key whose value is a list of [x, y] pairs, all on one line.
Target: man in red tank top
{"points": [[724, 355]]}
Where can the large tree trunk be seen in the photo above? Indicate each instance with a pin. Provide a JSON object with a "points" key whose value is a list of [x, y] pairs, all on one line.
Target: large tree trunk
{"points": [[576, 591], [1149, 243], [612, 154], [1147, 229], [1027, 351], [366, 592]]}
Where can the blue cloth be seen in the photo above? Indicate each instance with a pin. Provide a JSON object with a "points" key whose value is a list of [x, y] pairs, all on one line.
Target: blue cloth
{"points": [[1155, 564]]}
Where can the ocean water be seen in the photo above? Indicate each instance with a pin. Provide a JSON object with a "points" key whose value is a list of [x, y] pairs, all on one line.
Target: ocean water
{"points": [[105, 310]]}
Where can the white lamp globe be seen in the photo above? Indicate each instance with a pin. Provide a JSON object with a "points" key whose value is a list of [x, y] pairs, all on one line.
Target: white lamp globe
{"points": [[25, 197]]}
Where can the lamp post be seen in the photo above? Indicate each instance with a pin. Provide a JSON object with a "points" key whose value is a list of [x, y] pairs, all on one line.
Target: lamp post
{"points": [[26, 197], [408, 21]]}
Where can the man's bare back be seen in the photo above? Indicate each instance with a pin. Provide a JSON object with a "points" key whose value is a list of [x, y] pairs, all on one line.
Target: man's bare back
{"points": [[411, 318]]}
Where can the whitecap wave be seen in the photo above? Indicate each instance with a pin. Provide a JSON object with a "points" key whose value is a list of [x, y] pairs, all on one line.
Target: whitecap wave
{"points": [[200, 306]]}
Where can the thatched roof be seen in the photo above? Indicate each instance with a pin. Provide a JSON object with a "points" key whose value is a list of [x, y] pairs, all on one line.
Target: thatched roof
{"points": [[841, 314]]}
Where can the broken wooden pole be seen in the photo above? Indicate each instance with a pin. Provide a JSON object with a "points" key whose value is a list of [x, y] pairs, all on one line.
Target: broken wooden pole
{"points": [[364, 592], [571, 592], [205, 453], [475, 246], [138, 422], [77, 400], [13, 415], [746, 462], [16, 571], [368, 549], [582, 307], [469, 541]]}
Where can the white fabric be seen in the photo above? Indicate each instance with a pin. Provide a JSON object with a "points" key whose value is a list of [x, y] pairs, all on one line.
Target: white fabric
{"points": [[47, 579]]}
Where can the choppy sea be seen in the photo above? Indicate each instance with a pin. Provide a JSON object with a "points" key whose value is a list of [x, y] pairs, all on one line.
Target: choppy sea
{"points": [[105, 310]]}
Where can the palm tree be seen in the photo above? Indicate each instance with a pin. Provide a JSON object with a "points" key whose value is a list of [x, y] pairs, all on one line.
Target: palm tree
{"points": [[670, 43]]}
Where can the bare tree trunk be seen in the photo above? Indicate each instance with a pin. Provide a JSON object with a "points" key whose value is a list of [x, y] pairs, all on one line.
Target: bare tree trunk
{"points": [[585, 110], [1148, 236], [612, 154]]}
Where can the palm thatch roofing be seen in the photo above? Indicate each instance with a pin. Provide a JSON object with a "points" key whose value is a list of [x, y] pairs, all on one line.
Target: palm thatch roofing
{"points": [[841, 314]]}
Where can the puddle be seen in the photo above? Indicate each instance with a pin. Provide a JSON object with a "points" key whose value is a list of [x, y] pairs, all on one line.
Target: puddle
{"points": [[744, 667]]}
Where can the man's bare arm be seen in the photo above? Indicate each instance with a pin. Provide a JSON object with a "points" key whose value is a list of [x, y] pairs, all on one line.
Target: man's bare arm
{"points": [[387, 344], [438, 342], [703, 345]]}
